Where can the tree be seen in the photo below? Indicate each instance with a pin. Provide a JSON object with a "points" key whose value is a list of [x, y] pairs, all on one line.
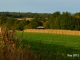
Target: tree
{"points": [[51, 23], [3, 19], [33, 24], [65, 21], [76, 21], [21, 25], [10, 23]]}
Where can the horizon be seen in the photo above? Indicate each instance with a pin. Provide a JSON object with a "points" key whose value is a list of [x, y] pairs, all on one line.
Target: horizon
{"points": [[40, 12]]}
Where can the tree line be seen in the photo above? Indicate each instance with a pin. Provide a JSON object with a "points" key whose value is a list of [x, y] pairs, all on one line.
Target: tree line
{"points": [[56, 20], [22, 14]]}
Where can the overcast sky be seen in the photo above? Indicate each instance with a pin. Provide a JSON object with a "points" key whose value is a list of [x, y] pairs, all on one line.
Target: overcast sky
{"points": [[40, 6]]}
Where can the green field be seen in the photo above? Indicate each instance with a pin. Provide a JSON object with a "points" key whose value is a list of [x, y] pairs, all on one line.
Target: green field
{"points": [[55, 43]]}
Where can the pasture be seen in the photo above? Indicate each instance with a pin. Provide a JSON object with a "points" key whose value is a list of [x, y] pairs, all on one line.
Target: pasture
{"points": [[38, 46], [51, 43], [47, 38]]}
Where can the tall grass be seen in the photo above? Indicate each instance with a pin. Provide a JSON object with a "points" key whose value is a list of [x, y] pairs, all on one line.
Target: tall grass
{"points": [[13, 48]]}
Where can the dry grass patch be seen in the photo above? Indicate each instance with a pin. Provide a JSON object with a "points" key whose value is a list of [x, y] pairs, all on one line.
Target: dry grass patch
{"points": [[66, 32]]}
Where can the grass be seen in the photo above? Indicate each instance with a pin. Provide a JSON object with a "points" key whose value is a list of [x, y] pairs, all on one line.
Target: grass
{"points": [[37, 46], [58, 39], [51, 44]]}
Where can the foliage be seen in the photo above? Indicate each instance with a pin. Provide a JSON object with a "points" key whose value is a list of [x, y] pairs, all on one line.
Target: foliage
{"points": [[65, 21], [10, 23], [35, 22], [53, 20], [21, 25], [11, 47], [56, 20], [3, 19]]}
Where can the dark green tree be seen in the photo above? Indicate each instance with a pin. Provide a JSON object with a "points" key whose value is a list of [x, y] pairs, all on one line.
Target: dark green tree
{"points": [[33, 24], [21, 25], [3, 20], [52, 20], [65, 21], [76, 21], [10, 23]]}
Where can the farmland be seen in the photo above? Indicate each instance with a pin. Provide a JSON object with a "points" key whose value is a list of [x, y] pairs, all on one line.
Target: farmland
{"points": [[59, 40], [48, 43], [54, 31]]}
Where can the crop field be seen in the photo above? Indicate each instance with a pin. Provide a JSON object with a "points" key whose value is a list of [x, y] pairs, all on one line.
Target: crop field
{"points": [[65, 32], [51, 44]]}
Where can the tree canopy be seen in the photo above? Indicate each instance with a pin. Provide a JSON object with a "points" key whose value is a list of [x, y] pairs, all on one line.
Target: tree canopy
{"points": [[56, 20]]}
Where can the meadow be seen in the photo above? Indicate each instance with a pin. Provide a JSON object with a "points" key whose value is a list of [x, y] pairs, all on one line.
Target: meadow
{"points": [[51, 45], [38, 46]]}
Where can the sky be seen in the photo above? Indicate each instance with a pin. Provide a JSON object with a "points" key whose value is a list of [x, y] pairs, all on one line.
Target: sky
{"points": [[40, 6]]}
